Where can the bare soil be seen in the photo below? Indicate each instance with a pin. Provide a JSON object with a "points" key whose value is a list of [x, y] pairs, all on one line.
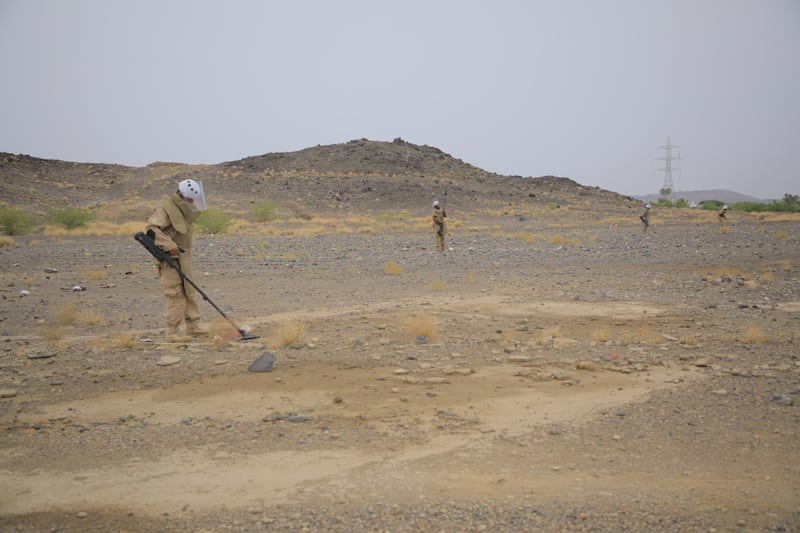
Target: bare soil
{"points": [[619, 382]]}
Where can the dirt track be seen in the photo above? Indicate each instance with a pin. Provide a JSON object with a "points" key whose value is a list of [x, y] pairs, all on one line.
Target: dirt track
{"points": [[624, 382]]}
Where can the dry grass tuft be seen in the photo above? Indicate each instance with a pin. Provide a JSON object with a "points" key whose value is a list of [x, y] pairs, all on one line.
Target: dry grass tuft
{"points": [[289, 334], [601, 335], [753, 335], [547, 335], [125, 341], [6, 241], [781, 235], [648, 336], [421, 326], [68, 315], [726, 271], [28, 282], [725, 230], [438, 285], [556, 239], [392, 268], [95, 274], [690, 339]]}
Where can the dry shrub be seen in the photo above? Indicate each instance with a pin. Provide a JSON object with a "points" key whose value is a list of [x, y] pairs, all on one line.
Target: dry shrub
{"points": [[753, 335], [781, 235], [725, 271], [289, 334], [125, 341], [392, 268], [648, 336], [95, 274], [421, 326], [470, 278], [95, 228], [438, 285], [6, 241], [548, 334], [68, 315], [690, 339], [556, 239], [601, 335], [725, 230], [769, 277], [28, 282]]}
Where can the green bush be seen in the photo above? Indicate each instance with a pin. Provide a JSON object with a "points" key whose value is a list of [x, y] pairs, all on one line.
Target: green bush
{"points": [[711, 205], [69, 217], [264, 211], [213, 220], [15, 222]]}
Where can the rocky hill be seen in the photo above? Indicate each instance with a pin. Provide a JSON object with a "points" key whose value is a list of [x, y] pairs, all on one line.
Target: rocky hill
{"points": [[721, 195], [357, 174]]}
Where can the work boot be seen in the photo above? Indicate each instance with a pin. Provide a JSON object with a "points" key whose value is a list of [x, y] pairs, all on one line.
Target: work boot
{"points": [[175, 335], [194, 328]]}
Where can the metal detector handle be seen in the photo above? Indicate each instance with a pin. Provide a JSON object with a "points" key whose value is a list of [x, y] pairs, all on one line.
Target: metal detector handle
{"points": [[146, 240]]}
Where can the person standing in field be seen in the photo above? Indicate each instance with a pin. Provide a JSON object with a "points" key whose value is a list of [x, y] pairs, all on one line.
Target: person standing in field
{"points": [[171, 227], [438, 225], [645, 218], [721, 216]]}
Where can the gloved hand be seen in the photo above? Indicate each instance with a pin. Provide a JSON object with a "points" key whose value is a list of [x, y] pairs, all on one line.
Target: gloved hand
{"points": [[174, 253]]}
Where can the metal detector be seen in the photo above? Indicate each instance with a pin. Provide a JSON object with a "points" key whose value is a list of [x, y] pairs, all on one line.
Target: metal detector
{"points": [[147, 240]]}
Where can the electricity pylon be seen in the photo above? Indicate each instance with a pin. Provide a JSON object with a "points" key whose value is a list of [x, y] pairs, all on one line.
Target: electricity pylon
{"points": [[666, 189]]}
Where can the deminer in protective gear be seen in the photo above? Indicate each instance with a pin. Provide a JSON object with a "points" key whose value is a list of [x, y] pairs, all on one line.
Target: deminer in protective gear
{"points": [[438, 225], [721, 215], [171, 227], [645, 218]]}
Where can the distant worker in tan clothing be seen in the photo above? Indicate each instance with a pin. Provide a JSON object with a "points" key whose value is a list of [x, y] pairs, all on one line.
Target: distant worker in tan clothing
{"points": [[438, 225], [645, 218], [171, 227], [721, 216]]}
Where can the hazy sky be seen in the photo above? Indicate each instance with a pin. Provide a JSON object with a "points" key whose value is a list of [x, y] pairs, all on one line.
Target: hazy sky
{"points": [[587, 89]]}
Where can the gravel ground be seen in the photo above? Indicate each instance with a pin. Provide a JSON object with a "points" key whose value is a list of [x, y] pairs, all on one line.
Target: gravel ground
{"points": [[714, 451]]}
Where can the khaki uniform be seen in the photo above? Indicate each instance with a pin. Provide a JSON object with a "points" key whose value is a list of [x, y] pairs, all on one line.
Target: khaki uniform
{"points": [[172, 224], [645, 218], [439, 228], [721, 217]]}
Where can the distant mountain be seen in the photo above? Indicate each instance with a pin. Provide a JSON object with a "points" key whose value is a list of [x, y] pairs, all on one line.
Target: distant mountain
{"points": [[698, 196]]}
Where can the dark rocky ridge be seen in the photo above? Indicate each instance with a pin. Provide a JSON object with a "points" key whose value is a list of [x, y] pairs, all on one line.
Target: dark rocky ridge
{"points": [[359, 173]]}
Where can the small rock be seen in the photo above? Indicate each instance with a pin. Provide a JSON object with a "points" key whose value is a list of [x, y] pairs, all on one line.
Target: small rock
{"points": [[50, 270], [400, 371], [167, 360], [783, 399], [40, 355], [7, 393], [703, 361], [586, 365], [263, 363]]}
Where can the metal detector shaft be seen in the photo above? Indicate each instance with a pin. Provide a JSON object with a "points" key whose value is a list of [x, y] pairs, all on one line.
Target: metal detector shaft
{"points": [[147, 241]]}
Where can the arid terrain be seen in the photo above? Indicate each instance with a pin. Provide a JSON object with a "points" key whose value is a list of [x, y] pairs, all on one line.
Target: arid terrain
{"points": [[554, 370]]}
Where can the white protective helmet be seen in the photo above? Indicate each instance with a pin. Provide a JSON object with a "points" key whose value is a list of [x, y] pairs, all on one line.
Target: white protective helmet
{"points": [[725, 207], [435, 203], [647, 206], [193, 190]]}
